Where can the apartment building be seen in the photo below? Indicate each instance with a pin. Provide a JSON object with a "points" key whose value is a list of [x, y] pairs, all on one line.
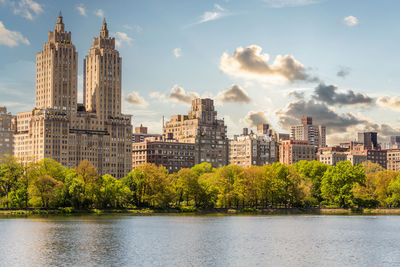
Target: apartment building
{"points": [[6, 133], [171, 154], [253, 149], [292, 151], [314, 134], [61, 129], [201, 127]]}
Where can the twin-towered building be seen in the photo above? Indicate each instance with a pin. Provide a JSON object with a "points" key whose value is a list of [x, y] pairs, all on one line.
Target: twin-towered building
{"points": [[62, 129]]}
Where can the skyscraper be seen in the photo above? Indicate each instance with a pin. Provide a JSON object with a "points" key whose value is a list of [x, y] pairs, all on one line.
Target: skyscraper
{"points": [[369, 139], [58, 127]]}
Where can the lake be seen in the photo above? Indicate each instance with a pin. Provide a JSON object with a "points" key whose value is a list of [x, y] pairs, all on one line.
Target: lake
{"points": [[200, 241]]}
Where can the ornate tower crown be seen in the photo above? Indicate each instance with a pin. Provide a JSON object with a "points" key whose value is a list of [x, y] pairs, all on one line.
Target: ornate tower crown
{"points": [[104, 30], [60, 24]]}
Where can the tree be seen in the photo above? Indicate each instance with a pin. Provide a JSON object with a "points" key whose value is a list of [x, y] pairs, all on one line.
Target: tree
{"points": [[338, 183], [313, 170], [394, 193], [87, 173], [46, 188], [10, 172]]}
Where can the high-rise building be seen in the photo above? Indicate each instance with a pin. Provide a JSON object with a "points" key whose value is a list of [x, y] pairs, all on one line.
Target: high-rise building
{"points": [[6, 133], [292, 151], [252, 149], [369, 139], [394, 141], [202, 128], [314, 134], [58, 127]]}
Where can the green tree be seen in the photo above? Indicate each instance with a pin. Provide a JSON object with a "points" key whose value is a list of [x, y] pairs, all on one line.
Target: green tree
{"points": [[10, 173], [339, 181], [46, 188]]}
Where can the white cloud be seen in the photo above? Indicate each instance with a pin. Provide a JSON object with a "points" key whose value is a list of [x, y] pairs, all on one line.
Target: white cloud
{"points": [[135, 99], [178, 94], [289, 3], [26, 8], [177, 52], [392, 102], [250, 63], [11, 38], [99, 12], [217, 13], [351, 21], [81, 9], [122, 38], [218, 7], [234, 94]]}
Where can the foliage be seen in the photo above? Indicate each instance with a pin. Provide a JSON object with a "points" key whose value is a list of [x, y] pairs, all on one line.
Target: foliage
{"points": [[47, 184]]}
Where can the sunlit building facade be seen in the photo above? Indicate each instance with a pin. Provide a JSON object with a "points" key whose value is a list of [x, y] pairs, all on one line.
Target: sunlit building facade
{"points": [[61, 129]]}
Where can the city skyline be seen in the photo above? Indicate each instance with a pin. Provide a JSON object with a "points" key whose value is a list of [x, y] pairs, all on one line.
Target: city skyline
{"points": [[174, 51]]}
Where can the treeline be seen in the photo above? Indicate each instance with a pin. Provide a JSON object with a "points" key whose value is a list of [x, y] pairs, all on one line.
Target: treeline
{"points": [[47, 184]]}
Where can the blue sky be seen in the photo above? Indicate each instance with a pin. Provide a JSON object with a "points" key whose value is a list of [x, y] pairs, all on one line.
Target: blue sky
{"points": [[175, 50]]}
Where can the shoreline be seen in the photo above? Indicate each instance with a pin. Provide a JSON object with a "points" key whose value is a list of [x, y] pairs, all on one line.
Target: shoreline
{"points": [[193, 212]]}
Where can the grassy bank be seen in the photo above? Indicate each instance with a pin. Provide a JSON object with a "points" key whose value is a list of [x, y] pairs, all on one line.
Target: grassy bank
{"points": [[193, 211]]}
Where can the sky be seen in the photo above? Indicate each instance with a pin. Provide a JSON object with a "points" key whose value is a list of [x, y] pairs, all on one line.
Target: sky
{"points": [[262, 61]]}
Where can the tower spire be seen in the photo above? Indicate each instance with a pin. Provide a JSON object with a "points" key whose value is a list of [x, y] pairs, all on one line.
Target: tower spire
{"points": [[104, 30], [60, 24]]}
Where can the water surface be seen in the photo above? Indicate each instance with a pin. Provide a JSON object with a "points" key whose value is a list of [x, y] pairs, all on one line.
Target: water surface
{"points": [[201, 241]]}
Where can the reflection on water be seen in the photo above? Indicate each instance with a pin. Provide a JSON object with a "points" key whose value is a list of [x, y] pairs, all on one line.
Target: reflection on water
{"points": [[201, 241]]}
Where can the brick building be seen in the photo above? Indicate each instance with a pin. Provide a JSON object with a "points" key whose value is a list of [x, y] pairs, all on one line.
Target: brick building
{"points": [[292, 151], [171, 154]]}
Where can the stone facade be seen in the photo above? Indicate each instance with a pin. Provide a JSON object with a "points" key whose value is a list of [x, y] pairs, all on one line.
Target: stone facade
{"points": [[202, 128], [171, 154], [252, 149], [393, 159], [58, 127]]}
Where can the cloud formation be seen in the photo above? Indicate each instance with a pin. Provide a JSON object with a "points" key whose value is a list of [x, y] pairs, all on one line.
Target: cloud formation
{"points": [[343, 72], [135, 99], [321, 113], [122, 38], [28, 9], [178, 94], [329, 95], [351, 21], [217, 13], [289, 3], [250, 63], [234, 94], [177, 52], [253, 118], [391, 102], [99, 12], [11, 38], [81, 9]]}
